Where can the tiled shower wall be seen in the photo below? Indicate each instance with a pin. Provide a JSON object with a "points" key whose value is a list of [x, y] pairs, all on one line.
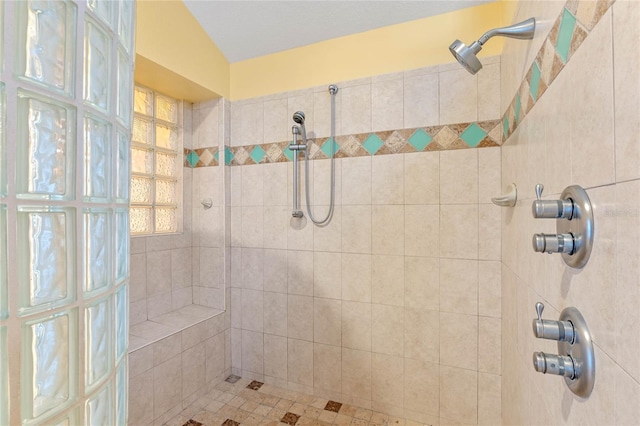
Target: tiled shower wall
{"points": [[395, 305], [582, 130], [171, 271]]}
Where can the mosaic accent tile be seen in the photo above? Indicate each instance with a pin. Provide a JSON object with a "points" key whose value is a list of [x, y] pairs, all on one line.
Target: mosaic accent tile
{"points": [[289, 418], [569, 31], [255, 385], [327, 146], [372, 144], [333, 406], [473, 135], [232, 378], [420, 139], [257, 154], [192, 422], [230, 422]]}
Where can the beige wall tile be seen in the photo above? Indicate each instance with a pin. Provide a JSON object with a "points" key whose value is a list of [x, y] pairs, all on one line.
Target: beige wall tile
{"points": [[459, 286], [275, 313], [215, 357], [387, 229], [138, 283], [421, 100], [322, 184], [356, 373], [489, 345], [387, 330], [193, 370], [274, 184], [422, 335], [489, 232], [322, 113], [356, 325], [459, 394], [327, 278], [356, 229], [626, 68], [253, 185], [327, 367], [275, 356], [252, 310], [593, 110], [459, 176], [141, 393], [253, 268], [387, 280], [300, 322], [300, 272], [356, 180], [276, 224], [459, 340], [627, 411], [167, 385], [422, 387], [158, 272], [387, 379], [627, 288], [489, 399], [458, 97], [459, 231], [387, 104], [387, 179], [421, 230], [247, 124], [489, 289], [300, 360], [422, 178], [327, 322], [422, 283], [275, 270], [328, 237], [356, 277], [253, 351], [252, 226], [276, 120], [356, 109], [489, 92]]}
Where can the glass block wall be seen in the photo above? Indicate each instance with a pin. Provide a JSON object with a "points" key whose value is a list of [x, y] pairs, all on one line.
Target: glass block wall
{"points": [[66, 101]]}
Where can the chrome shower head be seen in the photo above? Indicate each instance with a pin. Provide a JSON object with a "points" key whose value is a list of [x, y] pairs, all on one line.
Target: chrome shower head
{"points": [[467, 55], [298, 117]]}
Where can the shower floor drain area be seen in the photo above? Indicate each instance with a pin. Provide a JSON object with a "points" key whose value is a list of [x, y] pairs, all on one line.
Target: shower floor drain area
{"points": [[238, 401]]}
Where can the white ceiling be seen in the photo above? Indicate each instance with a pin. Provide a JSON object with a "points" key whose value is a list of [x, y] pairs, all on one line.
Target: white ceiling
{"points": [[248, 29]]}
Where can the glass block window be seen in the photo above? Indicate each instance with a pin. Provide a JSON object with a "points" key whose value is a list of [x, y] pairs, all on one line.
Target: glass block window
{"points": [[155, 163]]}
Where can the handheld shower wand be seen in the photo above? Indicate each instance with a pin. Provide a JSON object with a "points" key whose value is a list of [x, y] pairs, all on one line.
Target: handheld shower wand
{"points": [[466, 55]]}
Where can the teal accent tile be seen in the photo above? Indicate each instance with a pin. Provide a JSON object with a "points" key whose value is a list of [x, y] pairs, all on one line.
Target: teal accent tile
{"points": [[216, 156], [326, 147], [563, 44], [534, 84], [517, 109], [228, 156], [288, 153], [505, 126], [372, 144], [192, 158], [473, 135], [420, 139], [257, 154]]}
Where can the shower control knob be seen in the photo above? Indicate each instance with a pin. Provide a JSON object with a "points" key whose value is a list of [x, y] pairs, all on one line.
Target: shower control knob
{"points": [[558, 365], [562, 331], [554, 243], [551, 209]]}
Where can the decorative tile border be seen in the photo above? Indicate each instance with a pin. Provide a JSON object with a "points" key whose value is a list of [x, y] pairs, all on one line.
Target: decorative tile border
{"points": [[201, 157], [436, 138], [572, 27]]}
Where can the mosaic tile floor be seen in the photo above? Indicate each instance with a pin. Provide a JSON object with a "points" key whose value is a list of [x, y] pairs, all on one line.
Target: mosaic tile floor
{"points": [[239, 401]]}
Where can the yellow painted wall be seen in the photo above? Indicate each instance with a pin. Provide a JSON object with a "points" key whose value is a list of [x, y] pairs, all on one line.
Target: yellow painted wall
{"points": [[174, 45], [393, 48]]}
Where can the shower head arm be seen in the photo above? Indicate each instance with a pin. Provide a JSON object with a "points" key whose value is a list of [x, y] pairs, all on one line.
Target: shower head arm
{"points": [[522, 30]]}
